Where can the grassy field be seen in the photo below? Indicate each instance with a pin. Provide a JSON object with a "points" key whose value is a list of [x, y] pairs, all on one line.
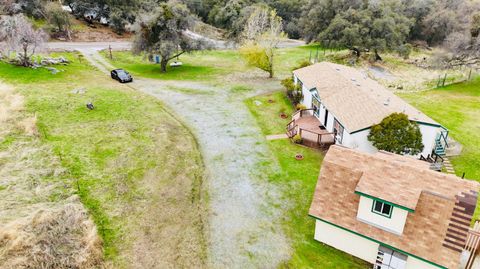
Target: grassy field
{"points": [[207, 65], [298, 180], [135, 167]]}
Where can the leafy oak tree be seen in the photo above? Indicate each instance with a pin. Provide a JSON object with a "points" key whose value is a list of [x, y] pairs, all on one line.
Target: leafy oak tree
{"points": [[378, 26], [59, 19], [397, 134], [166, 34]]}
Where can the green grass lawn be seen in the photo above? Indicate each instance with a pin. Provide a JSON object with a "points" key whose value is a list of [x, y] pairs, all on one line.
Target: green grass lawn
{"points": [[261, 105], [297, 180], [209, 65], [203, 65], [128, 160]]}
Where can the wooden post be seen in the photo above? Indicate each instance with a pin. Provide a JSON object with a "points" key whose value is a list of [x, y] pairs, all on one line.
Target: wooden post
{"points": [[110, 49], [470, 74], [444, 78]]}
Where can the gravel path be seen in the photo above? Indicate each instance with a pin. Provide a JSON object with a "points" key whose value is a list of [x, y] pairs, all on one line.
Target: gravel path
{"points": [[244, 229]]}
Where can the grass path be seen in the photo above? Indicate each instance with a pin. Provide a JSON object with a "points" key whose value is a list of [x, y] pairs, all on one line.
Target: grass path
{"points": [[243, 225]]}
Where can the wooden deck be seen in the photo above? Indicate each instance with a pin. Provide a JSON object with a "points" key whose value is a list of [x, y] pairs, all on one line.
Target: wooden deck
{"points": [[310, 129]]}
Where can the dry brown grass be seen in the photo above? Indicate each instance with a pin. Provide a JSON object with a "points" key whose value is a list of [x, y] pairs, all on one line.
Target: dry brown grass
{"points": [[60, 237], [42, 224], [29, 126]]}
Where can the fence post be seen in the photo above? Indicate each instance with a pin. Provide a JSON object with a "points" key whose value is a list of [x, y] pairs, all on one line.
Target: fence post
{"points": [[470, 74], [444, 78]]}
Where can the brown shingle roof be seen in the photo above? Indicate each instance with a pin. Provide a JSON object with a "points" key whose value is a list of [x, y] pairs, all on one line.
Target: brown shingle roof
{"points": [[443, 204], [357, 101]]}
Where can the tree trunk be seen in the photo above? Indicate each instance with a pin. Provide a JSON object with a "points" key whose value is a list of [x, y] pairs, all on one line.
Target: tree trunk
{"points": [[24, 57], [163, 65], [356, 52], [377, 57]]}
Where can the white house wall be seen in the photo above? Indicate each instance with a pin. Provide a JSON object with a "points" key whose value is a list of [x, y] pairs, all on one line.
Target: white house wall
{"points": [[359, 140], [346, 241], [414, 263], [394, 224], [429, 133]]}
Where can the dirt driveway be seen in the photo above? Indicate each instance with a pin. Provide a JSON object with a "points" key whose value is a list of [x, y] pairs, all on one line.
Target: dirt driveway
{"points": [[244, 223]]}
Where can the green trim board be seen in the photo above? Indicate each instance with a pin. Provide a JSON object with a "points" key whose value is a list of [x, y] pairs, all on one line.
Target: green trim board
{"points": [[360, 130], [379, 242], [428, 124], [387, 202]]}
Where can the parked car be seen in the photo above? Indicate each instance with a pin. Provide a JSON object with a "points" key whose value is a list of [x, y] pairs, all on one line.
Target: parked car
{"points": [[121, 75]]}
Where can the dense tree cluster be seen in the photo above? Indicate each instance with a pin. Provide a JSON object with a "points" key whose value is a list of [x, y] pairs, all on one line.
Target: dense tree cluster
{"points": [[360, 25]]}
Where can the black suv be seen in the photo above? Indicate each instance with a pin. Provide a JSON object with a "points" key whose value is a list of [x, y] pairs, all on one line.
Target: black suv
{"points": [[121, 75]]}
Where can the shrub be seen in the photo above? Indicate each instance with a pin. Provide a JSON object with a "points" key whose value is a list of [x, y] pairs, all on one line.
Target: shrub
{"points": [[300, 106], [297, 139], [405, 50], [294, 92], [397, 134], [288, 84], [302, 64]]}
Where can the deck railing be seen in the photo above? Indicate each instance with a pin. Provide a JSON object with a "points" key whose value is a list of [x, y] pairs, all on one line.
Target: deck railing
{"points": [[472, 243], [322, 139], [300, 113]]}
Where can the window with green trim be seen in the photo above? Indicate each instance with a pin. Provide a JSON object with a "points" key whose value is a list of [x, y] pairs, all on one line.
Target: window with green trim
{"points": [[382, 208]]}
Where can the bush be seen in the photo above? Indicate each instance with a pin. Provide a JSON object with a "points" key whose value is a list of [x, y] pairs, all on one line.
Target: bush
{"points": [[300, 106], [288, 84], [302, 64], [397, 134], [297, 139], [405, 50]]}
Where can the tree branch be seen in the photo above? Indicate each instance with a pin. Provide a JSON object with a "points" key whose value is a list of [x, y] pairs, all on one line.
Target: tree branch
{"points": [[175, 56]]}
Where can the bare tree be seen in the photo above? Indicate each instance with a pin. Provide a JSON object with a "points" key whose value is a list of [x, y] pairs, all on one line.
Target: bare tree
{"points": [[18, 35], [463, 48], [262, 34], [7, 7]]}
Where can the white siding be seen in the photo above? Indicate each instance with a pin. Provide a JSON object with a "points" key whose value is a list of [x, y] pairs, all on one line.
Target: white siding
{"points": [[346, 241], [330, 119], [394, 224], [359, 140], [429, 133], [307, 95], [414, 263]]}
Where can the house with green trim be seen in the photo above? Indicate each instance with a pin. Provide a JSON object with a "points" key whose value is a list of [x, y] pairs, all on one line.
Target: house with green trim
{"points": [[392, 211], [346, 102]]}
